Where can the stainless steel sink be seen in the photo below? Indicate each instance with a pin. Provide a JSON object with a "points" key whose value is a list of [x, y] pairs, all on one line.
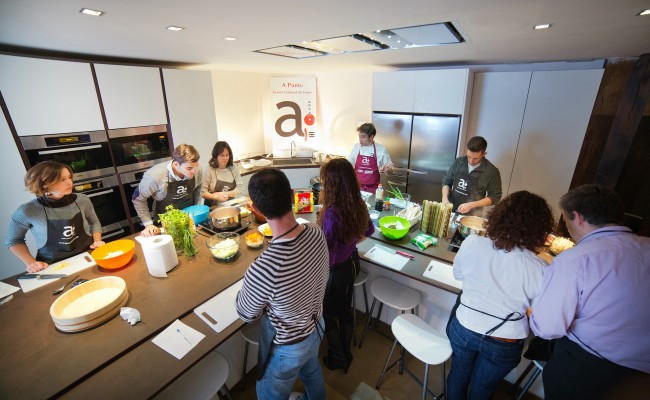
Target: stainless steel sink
{"points": [[292, 161]]}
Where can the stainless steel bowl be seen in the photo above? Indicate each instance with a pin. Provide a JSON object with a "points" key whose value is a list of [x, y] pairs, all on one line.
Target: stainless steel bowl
{"points": [[225, 217], [471, 225]]}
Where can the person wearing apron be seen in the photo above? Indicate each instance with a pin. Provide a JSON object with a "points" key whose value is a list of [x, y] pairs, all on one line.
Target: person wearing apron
{"points": [[472, 182], [62, 224], [369, 158], [172, 183], [501, 275], [223, 180]]}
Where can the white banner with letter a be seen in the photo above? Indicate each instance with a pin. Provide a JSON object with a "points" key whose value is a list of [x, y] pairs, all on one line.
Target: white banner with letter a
{"points": [[293, 111]]}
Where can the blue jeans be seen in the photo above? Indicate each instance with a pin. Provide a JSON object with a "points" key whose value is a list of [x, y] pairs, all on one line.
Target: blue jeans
{"points": [[289, 362], [479, 362]]}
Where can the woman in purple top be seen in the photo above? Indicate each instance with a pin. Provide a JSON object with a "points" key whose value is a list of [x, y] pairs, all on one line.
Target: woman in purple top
{"points": [[345, 222]]}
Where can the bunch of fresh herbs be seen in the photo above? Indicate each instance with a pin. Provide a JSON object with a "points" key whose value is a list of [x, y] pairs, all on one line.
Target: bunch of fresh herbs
{"points": [[395, 192], [178, 225]]}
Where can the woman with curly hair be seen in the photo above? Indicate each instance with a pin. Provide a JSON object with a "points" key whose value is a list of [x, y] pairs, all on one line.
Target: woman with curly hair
{"points": [[501, 275], [345, 222]]}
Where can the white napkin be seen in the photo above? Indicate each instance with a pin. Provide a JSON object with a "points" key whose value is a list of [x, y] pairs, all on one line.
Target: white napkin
{"points": [[178, 339]]}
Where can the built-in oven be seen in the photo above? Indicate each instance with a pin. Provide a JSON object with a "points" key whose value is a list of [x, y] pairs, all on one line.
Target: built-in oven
{"points": [[130, 182], [109, 207], [87, 153], [139, 148]]}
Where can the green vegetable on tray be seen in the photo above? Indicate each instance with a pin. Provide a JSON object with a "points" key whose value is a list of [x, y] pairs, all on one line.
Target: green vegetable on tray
{"points": [[395, 192], [177, 224]]}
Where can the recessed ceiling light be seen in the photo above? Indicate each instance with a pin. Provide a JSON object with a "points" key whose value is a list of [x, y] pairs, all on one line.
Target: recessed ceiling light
{"points": [[542, 26], [88, 11], [175, 28], [231, 38], [644, 12]]}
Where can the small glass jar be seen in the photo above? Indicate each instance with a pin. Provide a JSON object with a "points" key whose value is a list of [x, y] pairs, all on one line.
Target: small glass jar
{"points": [[387, 204]]}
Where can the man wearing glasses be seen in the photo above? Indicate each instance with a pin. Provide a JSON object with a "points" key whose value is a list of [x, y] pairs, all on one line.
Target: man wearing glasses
{"points": [[369, 158]]}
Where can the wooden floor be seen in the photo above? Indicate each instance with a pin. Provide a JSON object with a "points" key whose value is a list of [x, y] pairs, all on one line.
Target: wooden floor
{"points": [[366, 367]]}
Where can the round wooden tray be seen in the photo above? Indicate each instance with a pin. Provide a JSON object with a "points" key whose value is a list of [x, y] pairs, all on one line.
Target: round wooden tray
{"points": [[89, 304]]}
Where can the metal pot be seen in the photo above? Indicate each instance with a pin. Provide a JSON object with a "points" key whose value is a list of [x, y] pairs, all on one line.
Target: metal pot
{"points": [[471, 225], [225, 217]]}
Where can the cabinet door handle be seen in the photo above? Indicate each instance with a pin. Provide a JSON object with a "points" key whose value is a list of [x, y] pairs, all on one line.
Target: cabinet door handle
{"points": [[113, 234], [100, 193], [415, 171]]}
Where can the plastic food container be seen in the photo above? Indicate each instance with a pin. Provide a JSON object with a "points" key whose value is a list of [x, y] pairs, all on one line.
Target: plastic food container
{"points": [[115, 254], [198, 212], [224, 246], [394, 227]]}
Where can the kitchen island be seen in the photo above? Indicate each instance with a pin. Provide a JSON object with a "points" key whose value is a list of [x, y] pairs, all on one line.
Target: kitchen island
{"points": [[115, 359]]}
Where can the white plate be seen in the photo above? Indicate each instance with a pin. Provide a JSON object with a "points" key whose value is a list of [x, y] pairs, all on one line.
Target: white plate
{"points": [[262, 162], [261, 228]]}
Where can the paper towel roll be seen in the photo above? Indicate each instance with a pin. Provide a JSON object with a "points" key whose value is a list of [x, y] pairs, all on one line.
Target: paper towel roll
{"points": [[159, 253]]}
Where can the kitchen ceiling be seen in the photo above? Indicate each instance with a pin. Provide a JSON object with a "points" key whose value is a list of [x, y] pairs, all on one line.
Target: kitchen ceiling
{"points": [[496, 31]]}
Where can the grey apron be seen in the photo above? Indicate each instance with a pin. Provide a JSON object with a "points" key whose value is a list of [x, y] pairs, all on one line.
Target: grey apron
{"points": [[222, 186], [180, 194], [464, 190], [65, 238]]}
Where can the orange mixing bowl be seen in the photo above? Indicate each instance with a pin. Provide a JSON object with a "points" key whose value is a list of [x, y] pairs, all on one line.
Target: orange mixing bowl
{"points": [[115, 254]]}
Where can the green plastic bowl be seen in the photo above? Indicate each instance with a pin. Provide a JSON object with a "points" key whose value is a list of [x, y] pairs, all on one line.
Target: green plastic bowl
{"points": [[390, 232]]}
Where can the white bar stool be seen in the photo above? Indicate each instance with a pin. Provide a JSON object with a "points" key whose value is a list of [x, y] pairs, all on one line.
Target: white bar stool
{"points": [[361, 280], [539, 367], [251, 334], [393, 294], [206, 380], [424, 343]]}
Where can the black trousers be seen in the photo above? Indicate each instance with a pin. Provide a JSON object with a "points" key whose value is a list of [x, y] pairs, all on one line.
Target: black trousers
{"points": [[337, 313], [574, 373]]}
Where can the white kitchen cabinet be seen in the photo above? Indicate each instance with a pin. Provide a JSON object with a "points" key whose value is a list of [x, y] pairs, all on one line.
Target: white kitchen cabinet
{"points": [[49, 96], [535, 124], [496, 113], [132, 96], [14, 171], [441, 91], [557, 114], [191, 109], [393, 91]]}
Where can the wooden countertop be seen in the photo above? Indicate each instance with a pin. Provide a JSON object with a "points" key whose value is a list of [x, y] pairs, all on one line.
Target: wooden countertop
{"points": [[113, 359], [117, 360]]}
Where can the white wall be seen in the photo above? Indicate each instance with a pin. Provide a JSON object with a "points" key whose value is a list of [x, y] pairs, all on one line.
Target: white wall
{"points": [[238, 103], [13, 174]]}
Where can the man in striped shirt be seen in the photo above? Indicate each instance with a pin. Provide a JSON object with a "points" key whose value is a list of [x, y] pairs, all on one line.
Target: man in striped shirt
{"points": [[285, 286]]}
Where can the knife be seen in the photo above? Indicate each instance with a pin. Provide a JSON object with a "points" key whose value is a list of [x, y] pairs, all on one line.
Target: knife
{"points": [[41, 276], [401, 253]]}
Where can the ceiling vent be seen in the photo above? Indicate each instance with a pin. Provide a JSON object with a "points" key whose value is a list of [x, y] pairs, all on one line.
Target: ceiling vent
{"points": [[437, 34]]}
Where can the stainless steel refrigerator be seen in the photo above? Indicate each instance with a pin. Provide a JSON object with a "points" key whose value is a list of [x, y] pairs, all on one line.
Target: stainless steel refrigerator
{"points": [[422, 148]]}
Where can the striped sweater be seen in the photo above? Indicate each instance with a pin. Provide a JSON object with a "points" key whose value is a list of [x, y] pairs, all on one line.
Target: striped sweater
{"points": [[287, 281]]}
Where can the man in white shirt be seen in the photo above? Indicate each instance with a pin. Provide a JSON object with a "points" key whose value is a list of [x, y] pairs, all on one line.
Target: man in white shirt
{"points": [[369, 158]]}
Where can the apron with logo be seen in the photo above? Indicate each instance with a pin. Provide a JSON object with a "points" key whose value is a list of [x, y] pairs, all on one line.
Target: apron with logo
{"points": [[367, 171], [464, 190], [221, 187], [180, 194], [65, 238]]}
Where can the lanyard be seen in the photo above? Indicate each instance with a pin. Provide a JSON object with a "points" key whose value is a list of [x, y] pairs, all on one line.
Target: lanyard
{"points": [[286, 233]]}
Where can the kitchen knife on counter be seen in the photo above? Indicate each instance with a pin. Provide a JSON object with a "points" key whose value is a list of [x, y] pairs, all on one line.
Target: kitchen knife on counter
{"points": [[41, 276]]}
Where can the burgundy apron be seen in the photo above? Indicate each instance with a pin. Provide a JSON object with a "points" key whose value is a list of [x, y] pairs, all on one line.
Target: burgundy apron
{"points": [[65, 238], [367, 171], [464, 190]]}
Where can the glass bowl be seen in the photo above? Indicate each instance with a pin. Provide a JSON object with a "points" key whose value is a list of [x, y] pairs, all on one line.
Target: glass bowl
{"points": [[254, 239], [224, 246]]}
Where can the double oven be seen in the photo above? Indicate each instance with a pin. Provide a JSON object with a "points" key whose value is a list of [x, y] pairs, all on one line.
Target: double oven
{"points": [[136, 150], [107, 168]]}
